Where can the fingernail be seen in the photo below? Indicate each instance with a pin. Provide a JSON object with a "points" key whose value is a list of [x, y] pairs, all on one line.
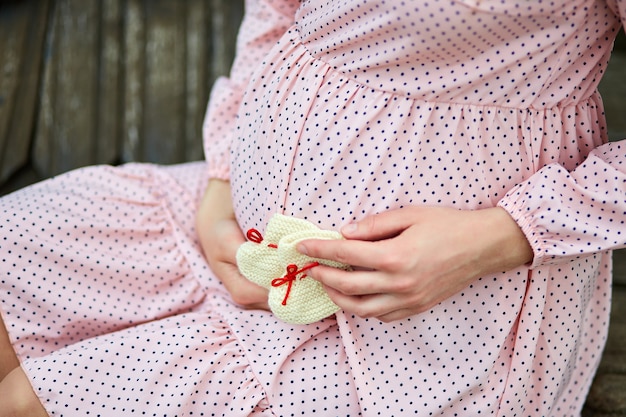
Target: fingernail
{"points": [[301, 248], [349, 228]]}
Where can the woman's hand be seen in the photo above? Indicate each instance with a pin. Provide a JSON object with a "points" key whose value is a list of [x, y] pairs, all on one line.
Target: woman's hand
{"points": [[408, 260], [220, 237]]}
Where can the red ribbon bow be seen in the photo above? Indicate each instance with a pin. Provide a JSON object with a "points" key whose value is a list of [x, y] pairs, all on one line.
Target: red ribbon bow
{"points": [[290, 277], [255, 236]]}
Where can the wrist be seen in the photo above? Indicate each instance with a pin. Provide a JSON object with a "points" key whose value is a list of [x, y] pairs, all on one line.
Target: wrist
{"points": [[216, 203], [506, 246]]}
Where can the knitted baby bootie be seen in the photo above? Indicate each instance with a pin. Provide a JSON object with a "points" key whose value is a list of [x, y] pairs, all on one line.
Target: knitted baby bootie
{"points": [[273, 262]]}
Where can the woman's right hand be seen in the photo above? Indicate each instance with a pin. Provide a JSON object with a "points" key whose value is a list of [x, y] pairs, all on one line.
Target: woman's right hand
{"points": [[220, 237]]}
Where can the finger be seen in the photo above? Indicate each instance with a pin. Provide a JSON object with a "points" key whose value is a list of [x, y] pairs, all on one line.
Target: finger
{"points": [[396, 315], [355, 253], [366, 306], [350, 283], [364, 294], [379, 226], [384, 307], [350, 252]]}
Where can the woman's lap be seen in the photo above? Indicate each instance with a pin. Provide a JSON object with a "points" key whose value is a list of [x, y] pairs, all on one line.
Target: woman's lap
{"points": [[92, 252], [112, 308], [172, 366]]}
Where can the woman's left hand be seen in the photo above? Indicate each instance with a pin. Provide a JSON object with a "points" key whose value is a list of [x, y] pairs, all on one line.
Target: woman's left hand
{"points": [[408, 260]]}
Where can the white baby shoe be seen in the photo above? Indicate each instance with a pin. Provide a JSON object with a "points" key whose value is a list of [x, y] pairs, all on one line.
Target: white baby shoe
{"points": [[273, 262]]}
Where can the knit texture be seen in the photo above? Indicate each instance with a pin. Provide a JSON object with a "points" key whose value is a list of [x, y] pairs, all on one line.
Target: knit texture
{"points": [[273, 262]]}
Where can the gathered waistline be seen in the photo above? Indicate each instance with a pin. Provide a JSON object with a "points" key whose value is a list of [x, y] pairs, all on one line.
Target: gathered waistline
{"points": [[298, 41]]}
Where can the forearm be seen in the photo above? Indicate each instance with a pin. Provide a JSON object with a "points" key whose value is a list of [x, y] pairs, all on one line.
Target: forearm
{"points": [[216, 205], [500, 243]]}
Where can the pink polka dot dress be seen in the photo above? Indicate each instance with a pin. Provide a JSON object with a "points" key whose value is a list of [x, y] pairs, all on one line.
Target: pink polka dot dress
{"points": [[335, 110]]}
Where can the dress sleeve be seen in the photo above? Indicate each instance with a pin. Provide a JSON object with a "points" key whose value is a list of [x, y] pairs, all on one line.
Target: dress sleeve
{"points": [[566, 215], [264, 22]]}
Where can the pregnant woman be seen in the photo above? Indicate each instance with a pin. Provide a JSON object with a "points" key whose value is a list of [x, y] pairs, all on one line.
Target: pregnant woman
{"points": [[460, 148]]}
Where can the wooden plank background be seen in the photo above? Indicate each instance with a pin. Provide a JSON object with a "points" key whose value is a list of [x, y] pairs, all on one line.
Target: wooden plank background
{"points": [[107, 81], [22, 30]]}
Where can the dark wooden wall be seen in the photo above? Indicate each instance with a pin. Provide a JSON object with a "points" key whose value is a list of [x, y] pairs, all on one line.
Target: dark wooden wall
{"points": [[107, 81]]}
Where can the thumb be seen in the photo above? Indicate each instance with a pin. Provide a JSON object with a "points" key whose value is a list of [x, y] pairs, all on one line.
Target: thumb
{"points": [[378, 226]]}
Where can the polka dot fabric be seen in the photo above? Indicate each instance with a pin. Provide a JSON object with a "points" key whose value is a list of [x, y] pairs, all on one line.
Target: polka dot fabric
{"points": [[113, 311], [336, 110]]}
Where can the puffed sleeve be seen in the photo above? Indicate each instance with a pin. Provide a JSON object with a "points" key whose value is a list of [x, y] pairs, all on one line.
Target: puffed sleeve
{"points": [[264, 22], [566, 215]]}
